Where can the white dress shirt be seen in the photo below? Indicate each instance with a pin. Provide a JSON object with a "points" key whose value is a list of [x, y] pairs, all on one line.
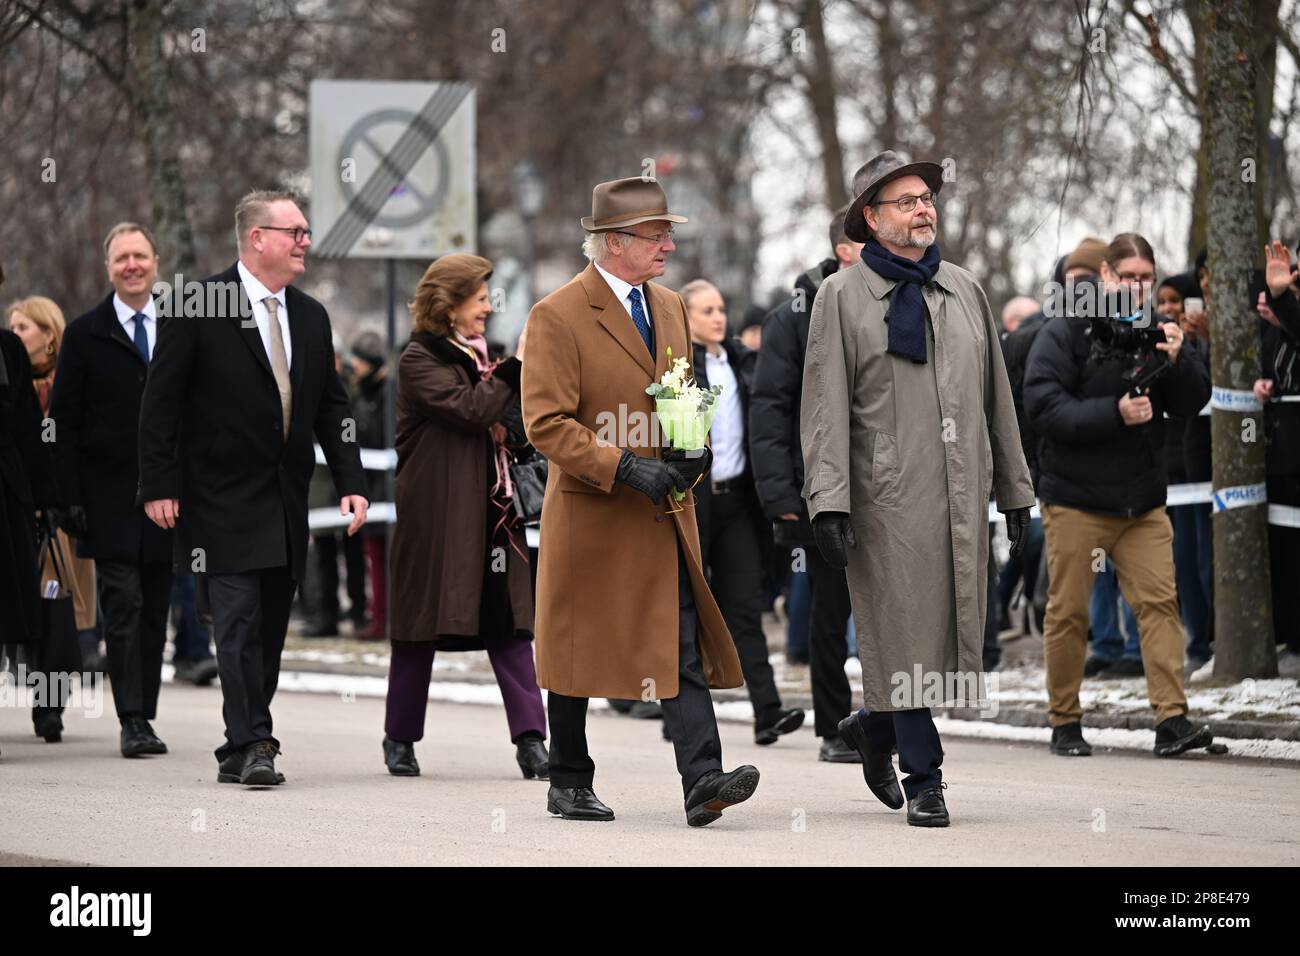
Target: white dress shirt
{"points": [[256, 293], [728, 428], [621, 291], [126, 315]]}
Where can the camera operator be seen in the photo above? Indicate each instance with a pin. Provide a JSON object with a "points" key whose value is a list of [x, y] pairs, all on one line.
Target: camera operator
{"points": [[1100, 378]]}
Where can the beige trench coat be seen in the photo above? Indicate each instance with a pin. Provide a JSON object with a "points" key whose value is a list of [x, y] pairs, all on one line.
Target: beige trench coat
{"points": [[911, 452]]}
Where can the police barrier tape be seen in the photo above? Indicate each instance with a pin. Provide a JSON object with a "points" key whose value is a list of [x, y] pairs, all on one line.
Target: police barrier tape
{"points": [[383, 512]]}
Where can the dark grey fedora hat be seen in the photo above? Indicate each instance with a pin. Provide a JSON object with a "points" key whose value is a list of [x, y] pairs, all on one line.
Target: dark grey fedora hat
{"points": [[875, 173]]}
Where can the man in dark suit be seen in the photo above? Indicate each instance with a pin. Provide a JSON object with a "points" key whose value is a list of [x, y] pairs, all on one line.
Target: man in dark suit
{"points": [[96, 409], [234, 398], [776, 457]]}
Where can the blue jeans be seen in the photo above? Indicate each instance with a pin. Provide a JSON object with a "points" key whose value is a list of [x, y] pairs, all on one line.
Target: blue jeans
{"points": [[1194, 575], [798, 610], [1109, 643]]}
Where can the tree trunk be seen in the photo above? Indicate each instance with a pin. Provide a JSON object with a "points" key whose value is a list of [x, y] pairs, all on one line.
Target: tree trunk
{"points": [[1244, 643], [821, 96], [148, 86], [1264, 30]]}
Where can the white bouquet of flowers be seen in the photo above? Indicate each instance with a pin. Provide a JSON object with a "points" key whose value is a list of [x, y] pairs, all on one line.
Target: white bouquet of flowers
{"points": [[684, 409]]}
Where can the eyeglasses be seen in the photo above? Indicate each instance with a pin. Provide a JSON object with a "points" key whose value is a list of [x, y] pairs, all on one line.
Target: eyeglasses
{"points": [[659, 238], [296, 233], [907, 203]]}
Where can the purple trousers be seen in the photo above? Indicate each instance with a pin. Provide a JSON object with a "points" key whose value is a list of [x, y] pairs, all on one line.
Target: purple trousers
{"points": [[411, 666]]}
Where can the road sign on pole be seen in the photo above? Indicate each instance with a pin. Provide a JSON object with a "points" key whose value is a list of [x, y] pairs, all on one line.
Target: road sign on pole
{"points": [[392, 169]]}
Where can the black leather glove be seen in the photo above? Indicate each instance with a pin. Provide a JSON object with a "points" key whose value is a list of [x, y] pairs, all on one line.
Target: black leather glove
{"points": [[1017, 530], [834, 533], [689, 464], [650, 476], [73, 521]]}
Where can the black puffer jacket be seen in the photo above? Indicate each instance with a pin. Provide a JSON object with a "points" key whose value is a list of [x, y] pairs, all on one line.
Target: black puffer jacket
{"points": [[1088, 458], [775, 454]]}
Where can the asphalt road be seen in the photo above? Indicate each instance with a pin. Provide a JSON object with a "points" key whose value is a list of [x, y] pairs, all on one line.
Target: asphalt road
{"points": [[1012, 803]]}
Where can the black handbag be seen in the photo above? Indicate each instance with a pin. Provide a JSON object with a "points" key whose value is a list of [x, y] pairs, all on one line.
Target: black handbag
{"points": [[529, 479], [59, 650]]}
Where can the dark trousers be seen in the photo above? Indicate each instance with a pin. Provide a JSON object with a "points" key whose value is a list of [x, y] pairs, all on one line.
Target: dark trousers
{"points": [[193, 639], [992, 649], [827, 645], [733, 554], [327, 562], [688, 716], [920, 753], [135, 599], [411, 666], [250, 613], [1284, 563]]}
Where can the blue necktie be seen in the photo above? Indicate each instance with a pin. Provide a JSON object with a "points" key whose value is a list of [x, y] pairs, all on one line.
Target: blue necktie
{"points": [[639, 319], [141, 337]]}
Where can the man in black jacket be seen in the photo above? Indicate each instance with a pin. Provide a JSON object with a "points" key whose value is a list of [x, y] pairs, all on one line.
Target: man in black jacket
{"points": [[234, 398], [1102, 491], [727, 511], [777, 459], [1278, 390], [96, 407]]}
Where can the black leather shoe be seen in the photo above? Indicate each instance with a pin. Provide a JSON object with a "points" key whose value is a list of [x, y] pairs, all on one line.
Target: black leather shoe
{"points": [[259, 765], [199, 673], [1067, 741], [156, 746], [1093, 666], [927, 808], [323, 627], [576, 803], [835, 750], [232, 768], [645, 710], [1178, 735], [877, 768], [400, 757], [1124, 668], [533, 760], [779, 724], [50, 726], [136, 741], [716, 791]]}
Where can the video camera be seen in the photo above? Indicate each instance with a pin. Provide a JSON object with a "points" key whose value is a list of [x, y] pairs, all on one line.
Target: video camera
{"points": [[1131, 339]]}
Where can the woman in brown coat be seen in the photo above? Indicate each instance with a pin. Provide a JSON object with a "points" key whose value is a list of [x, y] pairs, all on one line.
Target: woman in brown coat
{"points": [[459, 563]]}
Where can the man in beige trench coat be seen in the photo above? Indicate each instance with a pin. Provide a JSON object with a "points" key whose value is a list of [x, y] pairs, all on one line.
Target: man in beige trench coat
{"points": [[623, 608], [907, 424]]}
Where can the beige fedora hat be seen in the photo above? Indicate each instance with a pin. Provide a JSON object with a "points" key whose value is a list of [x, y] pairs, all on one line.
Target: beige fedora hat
{"points": [[626, 202]]}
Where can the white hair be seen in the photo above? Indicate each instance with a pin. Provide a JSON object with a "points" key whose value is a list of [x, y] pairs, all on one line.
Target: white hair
{"points": [[595, 248]]}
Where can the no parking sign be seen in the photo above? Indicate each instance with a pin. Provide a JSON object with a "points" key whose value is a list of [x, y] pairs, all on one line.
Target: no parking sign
{"points": [[392, 168]]}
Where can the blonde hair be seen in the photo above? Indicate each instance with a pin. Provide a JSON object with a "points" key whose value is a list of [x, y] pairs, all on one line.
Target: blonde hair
{"points": [[694, 287], [125, 227], [45, 313], [447, 283]]}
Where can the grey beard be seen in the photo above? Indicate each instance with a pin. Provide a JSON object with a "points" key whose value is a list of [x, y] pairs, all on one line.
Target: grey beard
{"points": [[902, 236]]}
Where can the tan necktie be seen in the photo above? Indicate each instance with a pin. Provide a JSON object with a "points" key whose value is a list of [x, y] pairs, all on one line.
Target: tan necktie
{"points": [[279, 362]]}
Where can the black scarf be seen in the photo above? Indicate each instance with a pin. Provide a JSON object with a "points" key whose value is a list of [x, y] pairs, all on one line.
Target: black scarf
{"points": [[906, 315]]}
